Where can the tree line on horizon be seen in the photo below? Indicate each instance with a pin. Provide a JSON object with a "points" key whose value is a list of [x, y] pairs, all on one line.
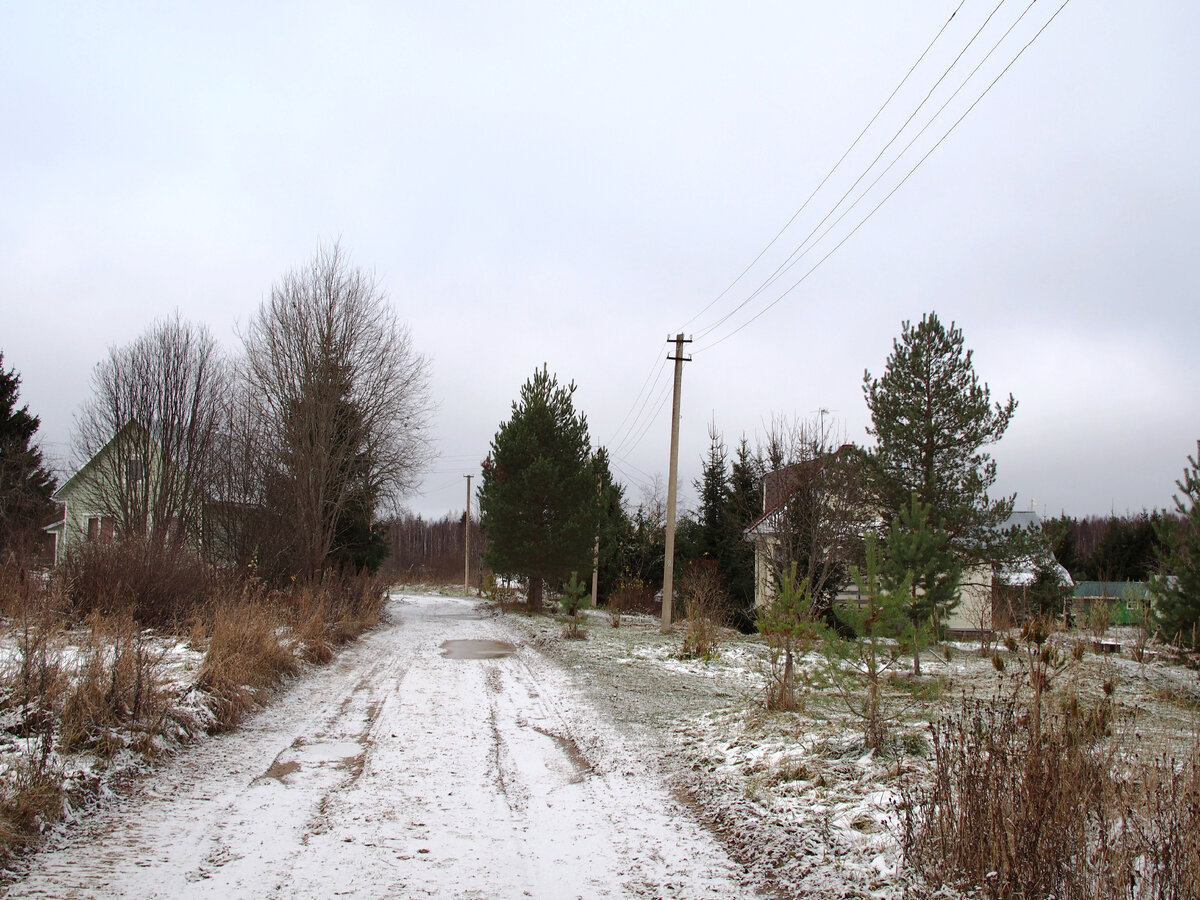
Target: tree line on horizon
{"points": [[922, 491]]}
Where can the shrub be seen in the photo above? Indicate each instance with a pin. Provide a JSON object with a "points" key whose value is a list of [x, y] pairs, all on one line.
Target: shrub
{"points": [[703, 600], [1018, 813], [159, 585], [630, 594]]}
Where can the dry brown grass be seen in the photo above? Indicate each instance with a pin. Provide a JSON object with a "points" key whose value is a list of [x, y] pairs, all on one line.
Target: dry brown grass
{"points": [[334, 610], [1066, 811], [31, 795], [247, 653], [263, 635], [116, 697]]}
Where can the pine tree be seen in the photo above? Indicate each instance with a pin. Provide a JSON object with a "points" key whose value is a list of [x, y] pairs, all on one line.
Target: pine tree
{"points": [[613, 525], [931, 418], [1177, 587], [859, 665], [574, 600], [791, 629], [918, 555], [537, 502], [25, 482]]}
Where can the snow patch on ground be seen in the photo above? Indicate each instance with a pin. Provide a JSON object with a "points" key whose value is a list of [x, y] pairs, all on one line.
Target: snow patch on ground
{"points": [[794, 797]]}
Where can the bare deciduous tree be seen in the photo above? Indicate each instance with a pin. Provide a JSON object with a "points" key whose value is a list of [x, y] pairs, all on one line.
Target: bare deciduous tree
{"points": [[341, 405], [154, 419]]}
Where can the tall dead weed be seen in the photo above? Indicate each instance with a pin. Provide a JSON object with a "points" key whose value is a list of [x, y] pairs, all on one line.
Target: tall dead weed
{"points": [[1060, 809]]}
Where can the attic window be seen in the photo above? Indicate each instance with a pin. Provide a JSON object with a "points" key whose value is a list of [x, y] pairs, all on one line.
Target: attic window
{"points": [[135, 469]]}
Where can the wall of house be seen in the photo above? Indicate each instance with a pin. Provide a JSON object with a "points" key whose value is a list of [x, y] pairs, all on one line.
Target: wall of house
{"points": [[765, 587], [82, 503], [974, 610]]}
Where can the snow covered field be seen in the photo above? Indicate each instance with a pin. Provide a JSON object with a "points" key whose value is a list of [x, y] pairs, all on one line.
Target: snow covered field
{"points": [[794, 797]]}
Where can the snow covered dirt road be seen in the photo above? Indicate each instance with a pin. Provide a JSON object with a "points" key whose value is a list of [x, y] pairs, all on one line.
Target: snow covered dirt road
{"points": [[410, 767]]}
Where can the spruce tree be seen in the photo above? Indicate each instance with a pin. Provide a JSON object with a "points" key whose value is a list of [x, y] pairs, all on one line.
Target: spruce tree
{"points": [[712, 533], [743, 506], [25, 482], [932, 418], [1177, 586], [537, 501]]}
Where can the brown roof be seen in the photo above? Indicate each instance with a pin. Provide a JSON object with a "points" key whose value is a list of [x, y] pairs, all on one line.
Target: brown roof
{"points": [[781, 484]]}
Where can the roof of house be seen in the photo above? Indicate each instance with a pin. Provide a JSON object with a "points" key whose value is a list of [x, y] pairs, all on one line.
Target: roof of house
{"points": [[67, 486], [780, 484], [1024, 518]]}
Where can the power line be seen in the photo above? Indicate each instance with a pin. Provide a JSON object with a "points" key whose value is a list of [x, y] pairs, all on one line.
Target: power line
{"points": [[646, 475], [792, 257], [662, 402], [828, 174], [790, 265], [658, 365], [875, 209], [636, 481], [623, 444]]}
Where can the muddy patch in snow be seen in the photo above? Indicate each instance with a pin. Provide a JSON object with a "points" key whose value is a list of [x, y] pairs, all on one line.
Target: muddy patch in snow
{"points": [[571, 751], [280, 770]]}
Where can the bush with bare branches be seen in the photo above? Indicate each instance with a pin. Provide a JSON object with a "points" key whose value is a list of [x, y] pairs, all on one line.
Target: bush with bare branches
{"points": [[1016, 812], [157, 585], [704, 599], [630, 594]]}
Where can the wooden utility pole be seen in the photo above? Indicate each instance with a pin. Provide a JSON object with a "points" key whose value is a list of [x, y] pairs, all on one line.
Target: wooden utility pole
{"points": [[467, 540], [596, 551], [596, 573], [672, 478]]}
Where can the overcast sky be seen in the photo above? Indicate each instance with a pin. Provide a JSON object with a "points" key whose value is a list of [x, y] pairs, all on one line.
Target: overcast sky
{"points": [[569, 183]]}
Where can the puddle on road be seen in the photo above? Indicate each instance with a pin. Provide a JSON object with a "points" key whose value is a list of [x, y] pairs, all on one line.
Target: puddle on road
{"points": [[476, 649]]}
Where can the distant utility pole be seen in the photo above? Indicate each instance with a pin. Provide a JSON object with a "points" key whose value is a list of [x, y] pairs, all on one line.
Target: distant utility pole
{"points": [[596, 552], [672, 478], [467, 540]]}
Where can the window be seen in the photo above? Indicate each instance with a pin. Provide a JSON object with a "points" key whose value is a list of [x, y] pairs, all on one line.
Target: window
{"points": [[135, 469]]}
